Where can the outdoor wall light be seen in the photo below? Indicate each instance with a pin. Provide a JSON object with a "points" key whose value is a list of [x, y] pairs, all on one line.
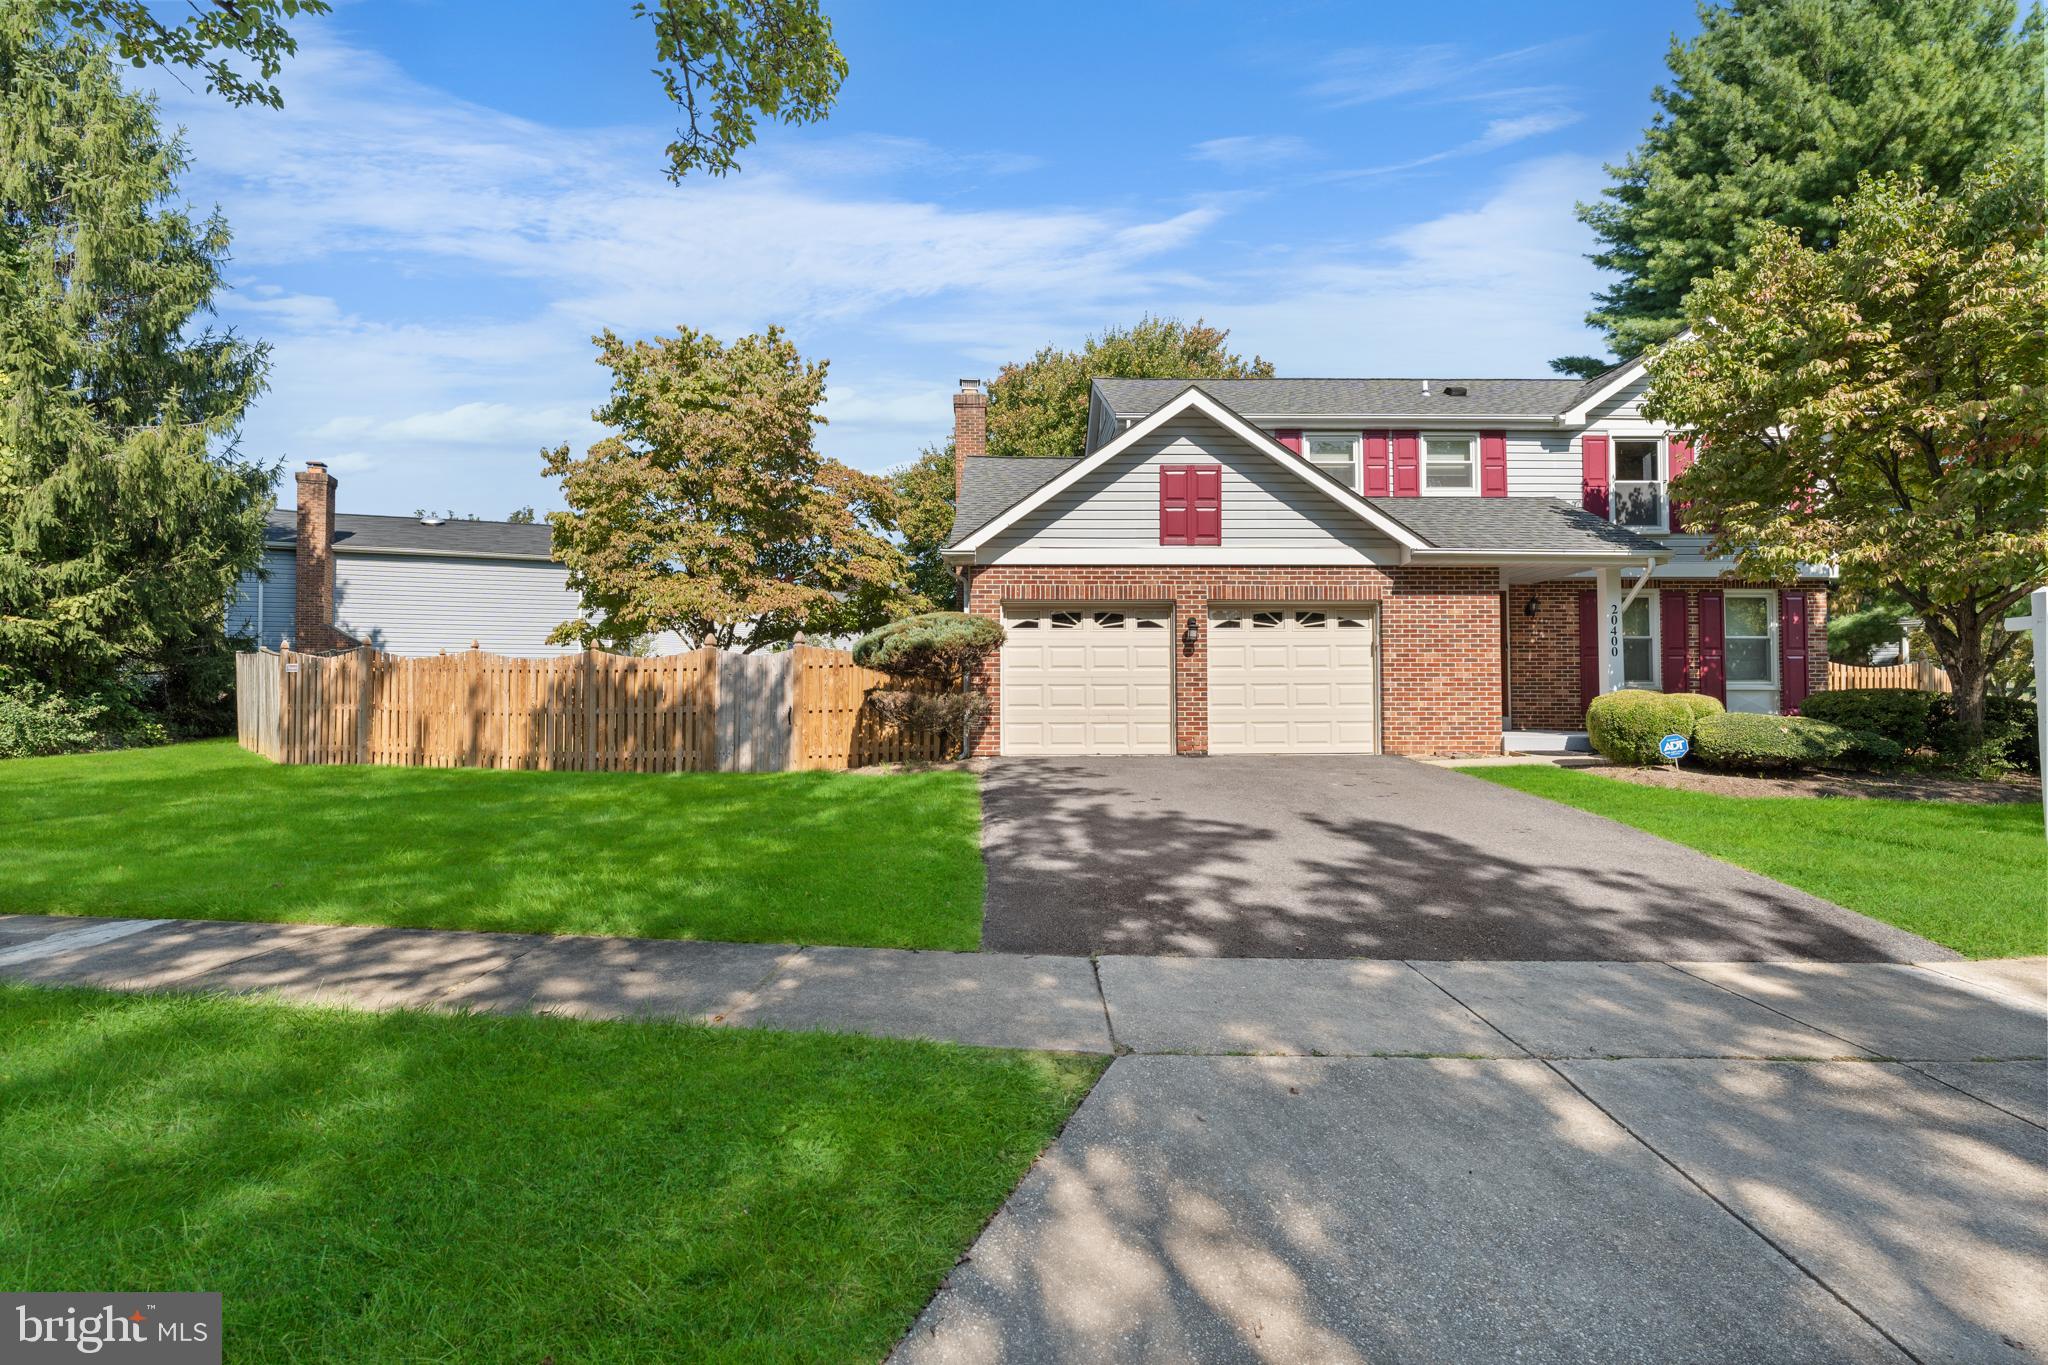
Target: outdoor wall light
{"points": [[1529, 607], [1192, 633]]}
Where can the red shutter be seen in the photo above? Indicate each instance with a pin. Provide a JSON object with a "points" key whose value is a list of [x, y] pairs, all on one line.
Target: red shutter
{"points": [[1407, 472], [1174, 504], [1493, 464], [1376, 482], [1791, 651], [1205, 509], [1671, 642], [1713, 645], [1681, 460], [1593, 478], [1291, 439], [1589, 647]]}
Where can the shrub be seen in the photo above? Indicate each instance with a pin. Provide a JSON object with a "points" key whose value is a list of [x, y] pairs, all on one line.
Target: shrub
{"points": [[1872, 750], [1899, 715], [935, 649], [937, 646], [1742, 740], [2010, 734], [1625, 727], [1700, 704], [35, 721]]}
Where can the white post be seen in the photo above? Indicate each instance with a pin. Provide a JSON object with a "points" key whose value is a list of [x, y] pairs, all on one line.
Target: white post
{"points": [[2036, 620], [1608, 599]]}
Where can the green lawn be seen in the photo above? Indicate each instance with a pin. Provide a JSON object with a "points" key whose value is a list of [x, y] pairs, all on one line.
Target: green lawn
{"points": [[208, 831], [383, 1187], [1972, 877]]}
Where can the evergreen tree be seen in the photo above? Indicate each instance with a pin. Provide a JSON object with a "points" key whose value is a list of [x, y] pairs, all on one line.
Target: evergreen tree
{"points": [[1776, 109], [126, 513]]}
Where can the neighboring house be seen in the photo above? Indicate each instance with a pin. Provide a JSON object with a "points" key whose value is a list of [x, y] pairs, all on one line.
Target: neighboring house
{"points": [[406, 585], [1353, 566]]}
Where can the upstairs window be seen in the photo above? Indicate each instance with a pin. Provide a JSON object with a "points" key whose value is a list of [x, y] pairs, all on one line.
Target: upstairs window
{"points": [[1639, 499], [1450, 464], [1335, 453], [1191, 504]]}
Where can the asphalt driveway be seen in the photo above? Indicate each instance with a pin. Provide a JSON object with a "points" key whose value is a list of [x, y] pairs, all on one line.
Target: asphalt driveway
{"points": [[1368, 857]]}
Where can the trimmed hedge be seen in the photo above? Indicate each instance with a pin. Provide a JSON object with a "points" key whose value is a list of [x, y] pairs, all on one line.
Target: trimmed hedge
{"points": [[1903, 717], [1744, 741], [1625, 727]]}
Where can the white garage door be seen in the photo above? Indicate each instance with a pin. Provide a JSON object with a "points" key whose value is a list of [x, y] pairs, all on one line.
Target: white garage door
{"points": [[1088, 681], [1291, 680]]}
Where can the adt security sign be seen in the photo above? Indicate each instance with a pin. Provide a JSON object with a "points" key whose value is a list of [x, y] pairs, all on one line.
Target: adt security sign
{"points": [[1673, 747]]}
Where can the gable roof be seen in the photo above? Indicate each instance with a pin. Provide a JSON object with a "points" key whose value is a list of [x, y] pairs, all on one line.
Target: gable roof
{"points": [[991, 483], [1191, 398], [1542, 399], [359, 532]]}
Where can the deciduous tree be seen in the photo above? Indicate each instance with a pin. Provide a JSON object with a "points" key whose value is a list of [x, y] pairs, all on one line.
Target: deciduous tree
{"points": [[1775, 109], [1881, 406], [1040, 406], [709, 512], [126, 512], [924, 517]]}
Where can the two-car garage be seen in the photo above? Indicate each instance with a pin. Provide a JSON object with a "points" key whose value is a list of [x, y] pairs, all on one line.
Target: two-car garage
{"points": [[1282, 679]]}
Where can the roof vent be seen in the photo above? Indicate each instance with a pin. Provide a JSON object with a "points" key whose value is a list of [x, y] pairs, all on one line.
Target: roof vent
{"points": [[1455, 390], [1425, 388], [431, 520]]}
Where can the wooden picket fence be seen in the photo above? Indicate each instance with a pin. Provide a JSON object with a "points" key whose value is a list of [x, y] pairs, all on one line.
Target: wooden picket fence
{"points": [[1921, 675], [590, 712]]}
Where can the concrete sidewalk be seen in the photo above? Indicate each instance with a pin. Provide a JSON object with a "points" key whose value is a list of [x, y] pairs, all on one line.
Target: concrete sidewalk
{"points": [[1942, 1012], [1426, 1161]]}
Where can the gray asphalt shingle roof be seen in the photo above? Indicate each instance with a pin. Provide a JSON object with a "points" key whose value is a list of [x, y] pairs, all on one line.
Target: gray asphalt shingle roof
{"points": [[1549, 525], [484, 539], [991, 483], [1543, 398]]}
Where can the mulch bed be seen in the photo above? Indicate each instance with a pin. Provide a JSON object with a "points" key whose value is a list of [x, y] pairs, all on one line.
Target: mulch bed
{"points": [[1886, 786]]}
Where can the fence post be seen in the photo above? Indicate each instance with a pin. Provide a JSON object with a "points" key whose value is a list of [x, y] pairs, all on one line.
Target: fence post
{"points": [[363, 704], [589, 710]]}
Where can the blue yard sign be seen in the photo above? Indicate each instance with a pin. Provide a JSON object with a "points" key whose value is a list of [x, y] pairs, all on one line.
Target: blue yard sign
{"points": [[1673, 747]]}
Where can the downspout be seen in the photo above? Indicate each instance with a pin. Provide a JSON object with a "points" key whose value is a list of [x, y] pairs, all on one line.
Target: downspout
{"points": [[1649, 567]]}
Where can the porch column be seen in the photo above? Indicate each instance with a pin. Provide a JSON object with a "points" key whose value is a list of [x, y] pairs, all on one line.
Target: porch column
{"points": [[1607, 586]]}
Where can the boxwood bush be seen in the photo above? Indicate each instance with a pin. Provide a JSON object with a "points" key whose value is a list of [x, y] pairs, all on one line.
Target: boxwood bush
{"points": [[1744, 741], [1625, 727], [1901, 716]]}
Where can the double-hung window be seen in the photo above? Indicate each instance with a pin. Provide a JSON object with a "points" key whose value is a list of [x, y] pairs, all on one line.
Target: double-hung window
{"points": [[1335, 453], [1639, 644], [1450, 464], [1639, 499], [1751, 641]]}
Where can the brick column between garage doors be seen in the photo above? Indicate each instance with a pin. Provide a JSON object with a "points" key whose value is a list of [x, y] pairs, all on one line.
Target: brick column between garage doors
{"points": [[1439, 639]]}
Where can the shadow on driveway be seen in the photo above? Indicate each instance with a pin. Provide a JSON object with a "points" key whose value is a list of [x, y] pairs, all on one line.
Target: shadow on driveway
{"points": [[1367, 857]]}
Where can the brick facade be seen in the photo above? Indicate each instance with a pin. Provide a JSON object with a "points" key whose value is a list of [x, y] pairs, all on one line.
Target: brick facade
{"points": [[1439, 639], [1543, 649]]}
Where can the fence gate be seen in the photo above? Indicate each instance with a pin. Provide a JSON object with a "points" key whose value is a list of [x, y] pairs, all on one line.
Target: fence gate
{"points": [[753, 712]]}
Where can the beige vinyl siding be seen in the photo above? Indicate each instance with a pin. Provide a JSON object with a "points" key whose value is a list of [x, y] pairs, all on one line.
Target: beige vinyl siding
{"points": [[419, 604], [274, 595], [1265, 507]]}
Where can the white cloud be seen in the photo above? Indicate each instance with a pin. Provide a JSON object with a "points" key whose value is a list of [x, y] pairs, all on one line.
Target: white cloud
{"points": [[1498, 133], [1436, 72], [430, 272], [1250, 153]]}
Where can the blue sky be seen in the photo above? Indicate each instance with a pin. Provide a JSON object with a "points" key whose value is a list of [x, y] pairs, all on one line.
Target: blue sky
{"points": [[457, 195]]}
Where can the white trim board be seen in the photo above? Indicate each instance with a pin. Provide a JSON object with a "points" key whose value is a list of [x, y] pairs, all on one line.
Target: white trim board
{"points": [[1190, 399]]}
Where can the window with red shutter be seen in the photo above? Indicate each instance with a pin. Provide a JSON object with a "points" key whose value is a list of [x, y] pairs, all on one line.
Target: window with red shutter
{"points": [[1190, 504]]}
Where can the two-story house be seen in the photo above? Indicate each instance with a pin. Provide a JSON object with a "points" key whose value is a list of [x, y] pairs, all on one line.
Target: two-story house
{"points": [[1353, 566]]}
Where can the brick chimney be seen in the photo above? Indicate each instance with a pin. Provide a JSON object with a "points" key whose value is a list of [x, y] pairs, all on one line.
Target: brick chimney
{"points": [[970, 428], [313, 611]]}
